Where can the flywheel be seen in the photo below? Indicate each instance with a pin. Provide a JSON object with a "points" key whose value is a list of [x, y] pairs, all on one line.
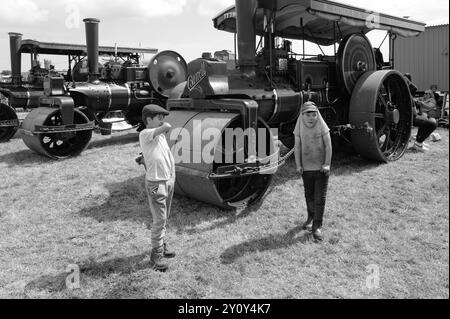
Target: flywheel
{"points": [[167, 70], [355, 57]]}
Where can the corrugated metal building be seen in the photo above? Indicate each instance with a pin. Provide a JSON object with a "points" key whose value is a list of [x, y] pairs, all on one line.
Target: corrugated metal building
{"points": [[425, 57]]}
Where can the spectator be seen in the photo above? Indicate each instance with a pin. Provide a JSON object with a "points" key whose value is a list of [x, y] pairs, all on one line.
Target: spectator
{"points": [[427, 104], [421, 108]]}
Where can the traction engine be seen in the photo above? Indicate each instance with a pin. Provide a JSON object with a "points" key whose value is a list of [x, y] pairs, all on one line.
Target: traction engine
{"points": [[63, 123], [359, 101]]}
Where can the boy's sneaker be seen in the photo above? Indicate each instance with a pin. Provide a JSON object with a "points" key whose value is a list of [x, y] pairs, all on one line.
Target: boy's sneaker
{"points": [[317, 234], [168, 253], [156, 260], [420, 148], [308, 225]]}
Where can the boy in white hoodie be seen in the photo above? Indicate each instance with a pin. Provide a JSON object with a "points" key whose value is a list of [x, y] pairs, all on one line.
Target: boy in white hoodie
{"points": [[313, 152]]}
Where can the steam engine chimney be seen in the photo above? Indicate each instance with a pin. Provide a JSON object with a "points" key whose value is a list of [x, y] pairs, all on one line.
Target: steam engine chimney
{"points": [[15, 40], [92, 47], [246, 33]]}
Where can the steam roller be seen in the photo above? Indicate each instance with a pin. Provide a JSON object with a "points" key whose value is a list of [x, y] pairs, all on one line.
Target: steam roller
{"points": [[62, 125]]}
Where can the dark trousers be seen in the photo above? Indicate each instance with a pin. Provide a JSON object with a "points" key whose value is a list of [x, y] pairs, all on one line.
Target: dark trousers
{"points": [[426, 127], [316, 186]]}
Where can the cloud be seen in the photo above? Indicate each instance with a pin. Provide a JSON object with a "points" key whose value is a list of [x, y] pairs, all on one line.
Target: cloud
{"points": [[22, 12], [126, 9], [33, 12], [210, 8]]}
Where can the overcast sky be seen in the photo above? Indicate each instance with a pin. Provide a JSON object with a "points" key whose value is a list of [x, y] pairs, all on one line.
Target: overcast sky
{"points": [[184, 26]]}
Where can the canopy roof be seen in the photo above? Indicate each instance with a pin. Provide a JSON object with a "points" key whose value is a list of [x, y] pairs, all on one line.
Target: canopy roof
{"points": [[32, 46], [319, 17]]}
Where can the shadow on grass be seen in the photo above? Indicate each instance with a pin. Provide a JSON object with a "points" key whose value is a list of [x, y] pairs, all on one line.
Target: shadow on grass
{"points": [[92, 269], [292, 237], [128, 202], [26, 157], [345, 162], [128, 199], [231, 217], [121, 139]]}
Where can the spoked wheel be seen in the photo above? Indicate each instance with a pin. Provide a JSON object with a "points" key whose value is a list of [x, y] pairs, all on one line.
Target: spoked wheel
{"points": [[248, 189], [381, 111], [58, 145], [9, 122]]}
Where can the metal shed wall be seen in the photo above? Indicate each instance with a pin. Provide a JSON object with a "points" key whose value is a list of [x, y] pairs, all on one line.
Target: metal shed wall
{"points": [[425, 57]]}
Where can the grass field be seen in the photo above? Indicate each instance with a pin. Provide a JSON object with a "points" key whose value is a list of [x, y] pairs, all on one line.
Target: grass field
{"points": [[92, 211]]}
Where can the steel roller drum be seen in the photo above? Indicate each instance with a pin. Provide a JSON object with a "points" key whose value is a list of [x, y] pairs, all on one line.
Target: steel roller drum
{"points": [[355, 57], [167, 70], [193, 178], [54, 145]]}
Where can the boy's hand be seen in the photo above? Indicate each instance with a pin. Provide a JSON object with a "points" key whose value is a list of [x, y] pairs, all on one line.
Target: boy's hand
{"points": [[140, 160], [326, 170], [300, 170], [166, 126]]}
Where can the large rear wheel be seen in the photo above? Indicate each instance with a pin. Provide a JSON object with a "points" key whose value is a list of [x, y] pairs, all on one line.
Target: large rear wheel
{"points": [[381, 112], [9, 122]]}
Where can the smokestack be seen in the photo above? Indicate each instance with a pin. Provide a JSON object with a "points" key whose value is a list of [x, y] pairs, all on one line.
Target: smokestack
{"points": [[246, 33], [92, 47], [15, 41]]}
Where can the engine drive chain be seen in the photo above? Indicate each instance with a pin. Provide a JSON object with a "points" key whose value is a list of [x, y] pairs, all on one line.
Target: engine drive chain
{"points": [[9, 123], [238, 171]]}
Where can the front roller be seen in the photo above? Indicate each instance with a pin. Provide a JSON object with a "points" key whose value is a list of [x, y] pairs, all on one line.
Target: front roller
{"points": [[381, 113], [45, 133], [9, 123], [199, 136]]}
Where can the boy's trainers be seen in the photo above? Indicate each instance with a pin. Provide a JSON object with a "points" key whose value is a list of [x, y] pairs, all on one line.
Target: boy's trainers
{"points": [[308, 225], [167, 253], [419, 147], [317, 234], [156, 260]]}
